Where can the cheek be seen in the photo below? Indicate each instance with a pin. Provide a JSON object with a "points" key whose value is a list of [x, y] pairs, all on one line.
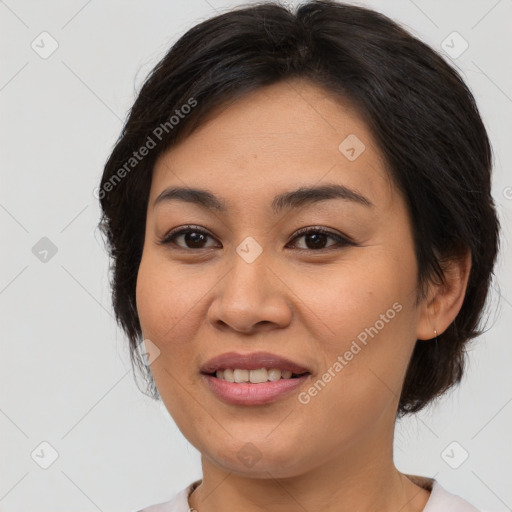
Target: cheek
{"points": [[346, 299], [149, 297], [170, 305], [162, 299], [162, 309], [367, 313]]}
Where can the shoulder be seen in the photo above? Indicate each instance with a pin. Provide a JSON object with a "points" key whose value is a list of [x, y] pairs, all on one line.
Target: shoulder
{"points": [[177, 504], [442, 500]]}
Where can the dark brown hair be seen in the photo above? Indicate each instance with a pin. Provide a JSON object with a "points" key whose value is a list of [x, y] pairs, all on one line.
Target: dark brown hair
{"points": [[421, 114]]}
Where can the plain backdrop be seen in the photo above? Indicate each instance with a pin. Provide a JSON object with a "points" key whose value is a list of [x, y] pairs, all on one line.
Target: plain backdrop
{"points": [[70, 72]]}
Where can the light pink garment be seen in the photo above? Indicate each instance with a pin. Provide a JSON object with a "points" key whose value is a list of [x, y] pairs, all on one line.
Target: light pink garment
{"points": [[440, 500]]}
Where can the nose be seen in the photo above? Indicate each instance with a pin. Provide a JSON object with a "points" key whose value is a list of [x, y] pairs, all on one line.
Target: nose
{"points": [[251, 297]]}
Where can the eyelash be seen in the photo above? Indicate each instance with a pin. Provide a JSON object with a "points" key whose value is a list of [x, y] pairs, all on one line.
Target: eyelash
{"points": [[342, 241]]}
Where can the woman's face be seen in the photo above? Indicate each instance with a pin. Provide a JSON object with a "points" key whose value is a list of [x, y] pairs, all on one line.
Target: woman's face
{"points": [[344, 309]]}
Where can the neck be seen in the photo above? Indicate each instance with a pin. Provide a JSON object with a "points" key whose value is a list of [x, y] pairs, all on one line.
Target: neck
{"points": [[363, 478]]}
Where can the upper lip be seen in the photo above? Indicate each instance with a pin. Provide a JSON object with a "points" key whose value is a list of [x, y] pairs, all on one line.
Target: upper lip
{"points": [[253, 361]]}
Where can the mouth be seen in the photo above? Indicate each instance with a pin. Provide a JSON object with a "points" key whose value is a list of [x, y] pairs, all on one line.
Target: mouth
{"points": [[253, 379]]}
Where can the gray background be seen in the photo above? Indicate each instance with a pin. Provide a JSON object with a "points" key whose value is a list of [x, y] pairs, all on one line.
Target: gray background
{"points": [[65, 377]]}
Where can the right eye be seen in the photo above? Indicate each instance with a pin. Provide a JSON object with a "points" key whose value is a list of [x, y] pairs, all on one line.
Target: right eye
{"points": [[193, 237]]}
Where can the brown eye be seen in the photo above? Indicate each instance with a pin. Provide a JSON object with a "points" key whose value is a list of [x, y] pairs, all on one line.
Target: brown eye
{"points": [[316, 239], [193, 238]]}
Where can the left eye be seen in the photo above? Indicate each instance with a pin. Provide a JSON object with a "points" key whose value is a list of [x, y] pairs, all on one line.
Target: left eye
{"points": [[315, 238]]}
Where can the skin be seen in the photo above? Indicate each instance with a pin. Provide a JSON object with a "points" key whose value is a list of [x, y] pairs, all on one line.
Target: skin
{"points": [[335, 452]]}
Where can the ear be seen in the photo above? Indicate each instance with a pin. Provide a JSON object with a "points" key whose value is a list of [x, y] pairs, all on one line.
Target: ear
{"points": [[444, 301]]}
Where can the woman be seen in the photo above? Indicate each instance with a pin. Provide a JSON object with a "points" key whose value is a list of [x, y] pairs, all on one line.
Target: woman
{"points": [[303, 250]]}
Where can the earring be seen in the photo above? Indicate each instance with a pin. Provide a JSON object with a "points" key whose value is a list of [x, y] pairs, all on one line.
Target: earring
{"points": [[435, 333]]}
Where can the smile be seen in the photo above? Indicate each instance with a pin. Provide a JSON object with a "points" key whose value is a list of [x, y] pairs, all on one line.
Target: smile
{"points": [[249, 393]]}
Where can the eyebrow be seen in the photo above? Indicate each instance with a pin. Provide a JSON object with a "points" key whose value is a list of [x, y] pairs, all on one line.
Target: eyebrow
{"points": [[287, 200]]}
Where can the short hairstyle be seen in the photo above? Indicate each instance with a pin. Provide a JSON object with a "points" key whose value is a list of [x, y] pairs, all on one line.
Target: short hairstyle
{"points": [[421, 113]]}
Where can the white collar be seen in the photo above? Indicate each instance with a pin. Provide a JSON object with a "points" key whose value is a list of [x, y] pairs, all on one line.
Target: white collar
{"points": [[440, 499]]}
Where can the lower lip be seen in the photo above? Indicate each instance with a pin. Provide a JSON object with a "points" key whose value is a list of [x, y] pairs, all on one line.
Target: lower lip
{"points": [[246, 393]]}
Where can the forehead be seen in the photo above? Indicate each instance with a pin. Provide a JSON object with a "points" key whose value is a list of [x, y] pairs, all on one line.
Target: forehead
{"points": [[288, 134]]}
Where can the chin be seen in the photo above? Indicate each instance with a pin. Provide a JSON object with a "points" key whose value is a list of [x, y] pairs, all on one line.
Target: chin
{"points": [[257, 457]]}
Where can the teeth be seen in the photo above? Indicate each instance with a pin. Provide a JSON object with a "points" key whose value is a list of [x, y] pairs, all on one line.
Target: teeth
{"points": [[254, 376], [241, 375], [257, 376], [228, 375], [274, 374]]}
